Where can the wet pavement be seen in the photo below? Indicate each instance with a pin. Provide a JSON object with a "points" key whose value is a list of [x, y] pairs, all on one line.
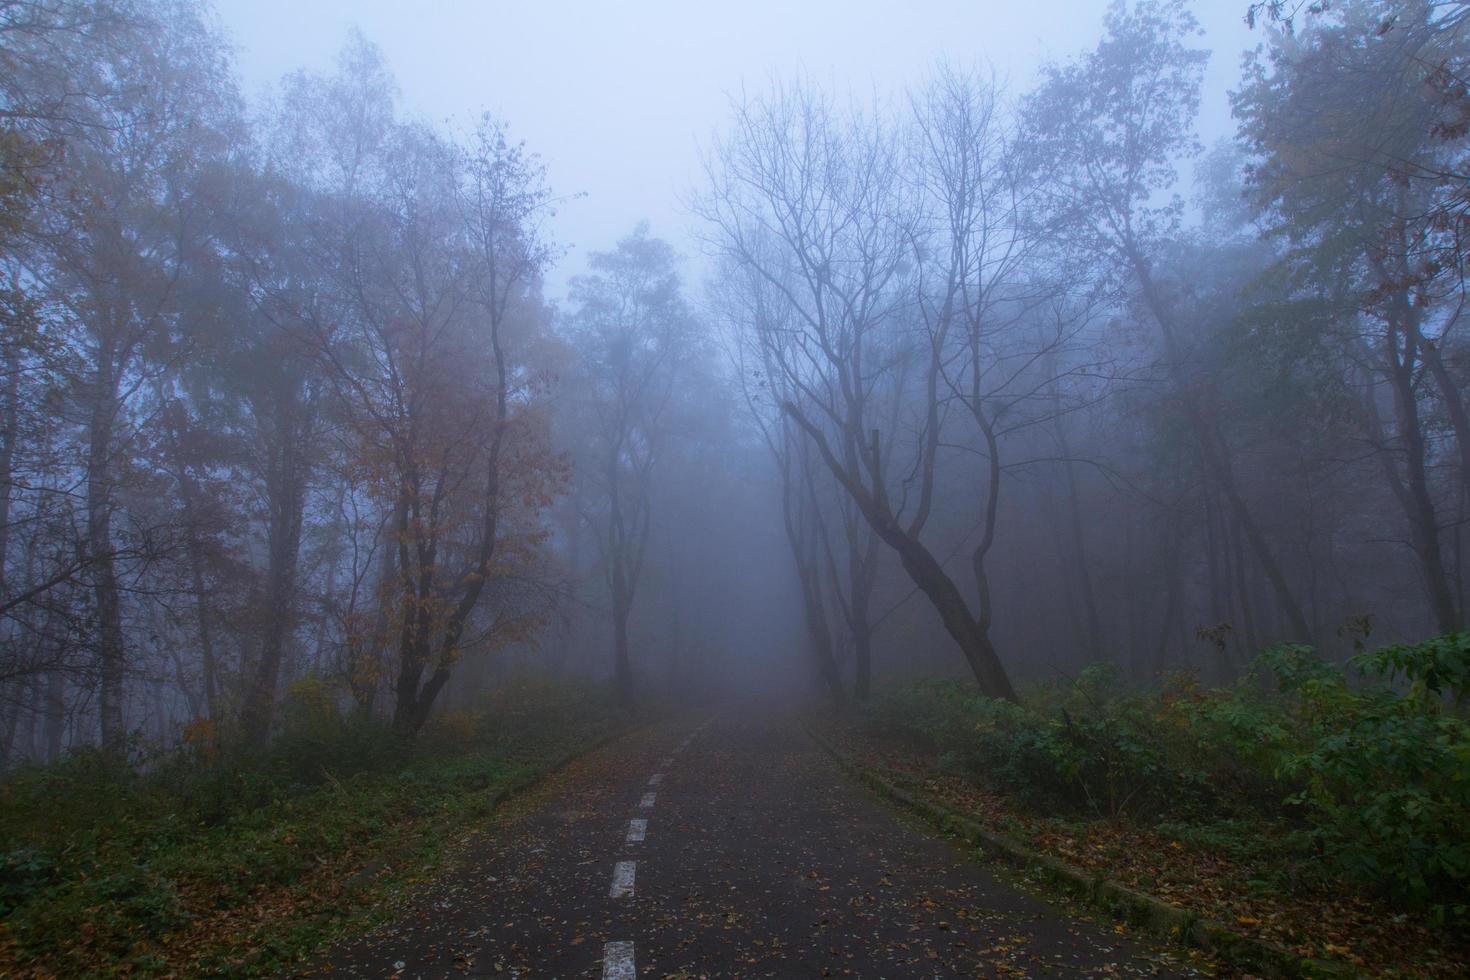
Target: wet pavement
{"points": [[730, 847]]}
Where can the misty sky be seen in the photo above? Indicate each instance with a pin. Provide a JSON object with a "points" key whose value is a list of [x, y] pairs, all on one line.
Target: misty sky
{"points": [[618, 98]]}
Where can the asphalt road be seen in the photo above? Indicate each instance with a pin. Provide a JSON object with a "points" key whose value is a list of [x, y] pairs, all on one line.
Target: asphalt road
{"points": [[732, 848]]}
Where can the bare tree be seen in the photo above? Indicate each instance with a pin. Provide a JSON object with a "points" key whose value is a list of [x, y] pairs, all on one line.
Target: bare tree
{"points": [[818, 208]]}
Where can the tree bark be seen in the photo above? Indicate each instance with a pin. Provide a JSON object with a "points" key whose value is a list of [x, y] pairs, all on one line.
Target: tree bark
{"points": [[111, 646]]}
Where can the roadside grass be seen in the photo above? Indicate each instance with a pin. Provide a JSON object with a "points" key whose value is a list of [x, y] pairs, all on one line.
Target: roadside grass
{"points": [[202, 863], [1321, 809]]}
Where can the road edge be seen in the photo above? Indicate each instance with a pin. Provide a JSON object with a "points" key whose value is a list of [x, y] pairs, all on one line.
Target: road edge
{"points": [[506, 792], [364, 877], [1143, 911]]}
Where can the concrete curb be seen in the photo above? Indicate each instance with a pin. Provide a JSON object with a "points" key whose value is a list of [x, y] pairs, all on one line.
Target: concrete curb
{"points": [[1145, 912]]}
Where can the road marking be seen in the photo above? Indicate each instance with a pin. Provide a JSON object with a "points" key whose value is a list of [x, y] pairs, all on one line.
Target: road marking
{"points": [[655, 779], [666, 763], [637, 828], [617, 961], [647, 801], [622, 883]]}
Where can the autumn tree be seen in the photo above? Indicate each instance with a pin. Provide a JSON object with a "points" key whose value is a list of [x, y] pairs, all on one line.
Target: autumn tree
{"points": [[122, 222], [1341, 118], [434, 252]]}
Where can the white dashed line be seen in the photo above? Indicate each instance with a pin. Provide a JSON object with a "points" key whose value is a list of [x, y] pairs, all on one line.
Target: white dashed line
{"points": [[655, 779], [622, 882], [647, 802], [637, 829], [617, 961]]}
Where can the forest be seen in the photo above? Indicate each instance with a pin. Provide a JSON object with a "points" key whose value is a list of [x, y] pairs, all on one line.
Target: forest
{"points": [[1109, 487]]}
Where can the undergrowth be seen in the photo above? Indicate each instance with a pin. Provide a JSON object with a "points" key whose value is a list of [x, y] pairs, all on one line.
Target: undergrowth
{"points": [[209, 860], [1358, 773]]}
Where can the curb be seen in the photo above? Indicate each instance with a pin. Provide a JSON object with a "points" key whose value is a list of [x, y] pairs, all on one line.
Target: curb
{"points": [[1145, 912]]}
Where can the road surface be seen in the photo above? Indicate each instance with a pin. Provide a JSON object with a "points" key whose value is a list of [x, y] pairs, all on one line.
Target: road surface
{"points": [[731, 848]]}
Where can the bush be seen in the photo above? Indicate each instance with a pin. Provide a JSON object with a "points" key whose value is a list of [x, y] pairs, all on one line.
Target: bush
{"points": [[1369, 763], [1385, 766], [1080, 746]]}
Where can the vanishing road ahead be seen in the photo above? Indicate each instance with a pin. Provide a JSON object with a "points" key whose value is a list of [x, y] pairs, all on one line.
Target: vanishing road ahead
{"points": [[731, 849]]}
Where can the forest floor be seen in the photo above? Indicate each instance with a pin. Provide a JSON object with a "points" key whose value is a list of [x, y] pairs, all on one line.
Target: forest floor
{"points": [[1222, 872], [203, 868], [731, 848]]}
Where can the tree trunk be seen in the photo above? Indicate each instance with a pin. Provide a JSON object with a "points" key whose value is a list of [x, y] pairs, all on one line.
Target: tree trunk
{"points": [[1418, 504], [1173, 608], [9, 431], [286, 500], [55, 715], [622, 604], [927, 574], [862, 559], [1079, 546], [1455, 407], [819, 631], [944, 595], [194, 547], [111, 647], [797, 505], [1243, 595], [863, 577]]}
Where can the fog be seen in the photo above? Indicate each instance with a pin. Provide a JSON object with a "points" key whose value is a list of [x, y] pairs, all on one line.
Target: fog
{"points": [[381, 352], [620, 98]]}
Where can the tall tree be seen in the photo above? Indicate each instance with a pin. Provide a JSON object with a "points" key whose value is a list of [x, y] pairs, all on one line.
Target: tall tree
{"points": [[123, 221], [1107, 130], [633, 331], [1341, 117], [434, 251]]}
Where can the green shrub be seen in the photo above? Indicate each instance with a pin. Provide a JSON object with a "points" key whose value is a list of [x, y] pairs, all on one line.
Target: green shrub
{"points": [[1079, 746], [1368, 765], [1385, 766]]}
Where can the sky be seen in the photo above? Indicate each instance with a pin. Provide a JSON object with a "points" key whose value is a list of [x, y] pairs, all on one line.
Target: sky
{"points": [[619, 98]]}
